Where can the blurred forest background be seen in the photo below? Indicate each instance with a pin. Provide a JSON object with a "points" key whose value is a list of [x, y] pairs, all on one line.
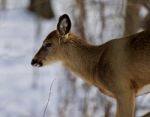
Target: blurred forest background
{"points": [[24, 24]]}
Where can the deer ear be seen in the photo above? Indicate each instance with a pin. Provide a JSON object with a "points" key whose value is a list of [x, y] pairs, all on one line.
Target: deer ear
{"points": [[64, 24]]}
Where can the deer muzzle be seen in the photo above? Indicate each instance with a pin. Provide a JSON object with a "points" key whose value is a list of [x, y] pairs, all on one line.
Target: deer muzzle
{"points": [[36, 63]]}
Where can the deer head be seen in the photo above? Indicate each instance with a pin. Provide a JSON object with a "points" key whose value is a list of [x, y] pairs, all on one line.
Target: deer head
{"points": [[54, 43]]}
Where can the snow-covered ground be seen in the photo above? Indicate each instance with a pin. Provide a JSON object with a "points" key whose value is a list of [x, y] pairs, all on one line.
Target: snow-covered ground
{"points": [[24, 89]]}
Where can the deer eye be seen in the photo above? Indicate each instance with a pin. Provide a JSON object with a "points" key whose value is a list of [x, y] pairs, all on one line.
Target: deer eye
{"points": [[48, 45]]}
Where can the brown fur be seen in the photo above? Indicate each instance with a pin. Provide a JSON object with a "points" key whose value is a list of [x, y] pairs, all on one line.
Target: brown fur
{"points": [[119, 68]]}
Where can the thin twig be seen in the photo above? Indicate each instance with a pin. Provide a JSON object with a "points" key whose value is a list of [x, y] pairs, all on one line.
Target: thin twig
{"points": [[48, 98]]}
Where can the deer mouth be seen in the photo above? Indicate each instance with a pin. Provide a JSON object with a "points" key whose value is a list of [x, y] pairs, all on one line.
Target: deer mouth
{"points": [[36, 63]]}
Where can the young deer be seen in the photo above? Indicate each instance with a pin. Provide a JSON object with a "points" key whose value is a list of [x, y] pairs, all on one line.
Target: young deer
{"points": [[119, 68]]}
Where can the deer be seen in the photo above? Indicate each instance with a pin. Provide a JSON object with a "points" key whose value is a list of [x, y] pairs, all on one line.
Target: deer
{"points": [[119, 68]]}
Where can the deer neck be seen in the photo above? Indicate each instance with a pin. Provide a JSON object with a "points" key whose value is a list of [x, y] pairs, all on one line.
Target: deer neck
{"points": [[82, 59]]}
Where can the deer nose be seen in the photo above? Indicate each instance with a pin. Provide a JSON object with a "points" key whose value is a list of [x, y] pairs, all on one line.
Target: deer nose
{"points": [[36, 63]]}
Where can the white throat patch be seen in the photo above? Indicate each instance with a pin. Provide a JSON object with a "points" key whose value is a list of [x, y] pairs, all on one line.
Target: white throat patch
{"points": [[144, 90]]}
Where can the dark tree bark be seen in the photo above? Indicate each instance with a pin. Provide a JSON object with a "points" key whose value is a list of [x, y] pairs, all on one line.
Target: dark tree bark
{"points": [[79, 20], [41, 8], [132, 18], [146, 21], [3, 4]]}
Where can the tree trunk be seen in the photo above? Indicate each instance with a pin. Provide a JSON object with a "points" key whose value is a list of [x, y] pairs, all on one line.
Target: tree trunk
{"points": [[132, 18], [146, 21], [41, 8], [3, 4]]}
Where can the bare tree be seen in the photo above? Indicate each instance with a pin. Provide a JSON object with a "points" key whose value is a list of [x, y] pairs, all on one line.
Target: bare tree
{"points": [[146, 20], [79, 20], [3, 4], [41, 8], [132, 17]]}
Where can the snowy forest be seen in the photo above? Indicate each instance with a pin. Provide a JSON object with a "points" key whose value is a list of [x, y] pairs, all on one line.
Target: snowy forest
{"points": [[24, 24]]}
